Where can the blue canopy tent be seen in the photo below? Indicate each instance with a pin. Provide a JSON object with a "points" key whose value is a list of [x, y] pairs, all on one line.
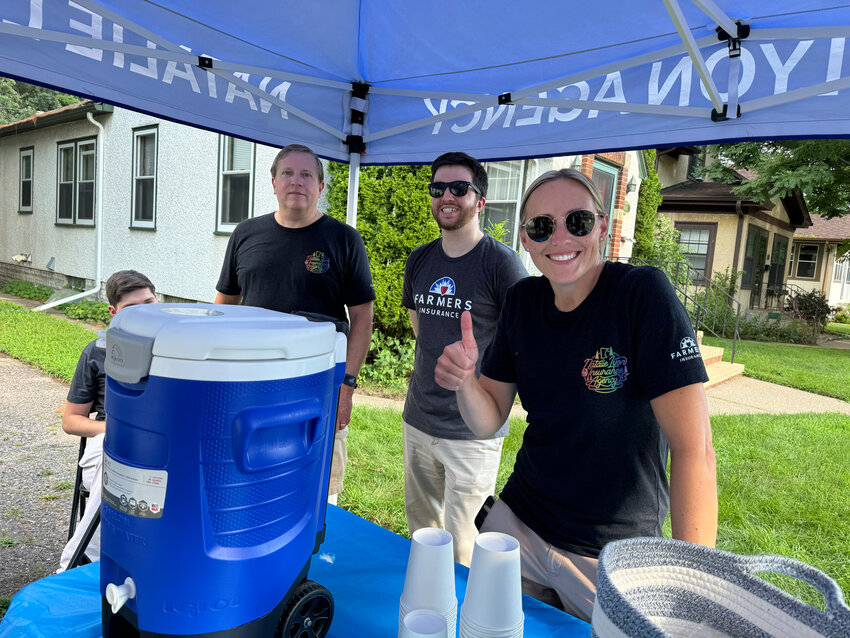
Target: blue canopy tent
{"points": [[384, 82]]}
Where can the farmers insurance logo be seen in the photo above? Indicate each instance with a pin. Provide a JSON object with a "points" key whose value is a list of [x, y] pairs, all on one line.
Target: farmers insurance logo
{"points": [[441, 300], [444, 286], [688, 350]]}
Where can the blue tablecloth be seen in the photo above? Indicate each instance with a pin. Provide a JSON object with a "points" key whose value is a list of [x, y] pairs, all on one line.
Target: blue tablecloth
{"points": [[362, 565]]}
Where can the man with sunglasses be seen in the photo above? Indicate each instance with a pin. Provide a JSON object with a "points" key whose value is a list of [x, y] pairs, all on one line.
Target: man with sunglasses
{"points": [[448, 471]]}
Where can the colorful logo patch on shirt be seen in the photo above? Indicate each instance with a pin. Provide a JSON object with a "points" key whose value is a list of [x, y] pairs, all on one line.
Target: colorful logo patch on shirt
{"points": [[688, 350], [605, 372], [443, 286], [317, 263]]}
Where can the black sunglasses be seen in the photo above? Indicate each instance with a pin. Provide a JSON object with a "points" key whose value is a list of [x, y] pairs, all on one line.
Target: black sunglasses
{"points": [[578, 222], [458, 189]]}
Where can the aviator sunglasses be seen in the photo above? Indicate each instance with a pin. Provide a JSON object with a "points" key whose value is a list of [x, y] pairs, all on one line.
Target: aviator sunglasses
{"points": [[458, 189], [578, 222]]}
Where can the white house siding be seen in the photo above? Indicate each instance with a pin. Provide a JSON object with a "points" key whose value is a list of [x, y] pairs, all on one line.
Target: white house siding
{"points": [[182, 255]]}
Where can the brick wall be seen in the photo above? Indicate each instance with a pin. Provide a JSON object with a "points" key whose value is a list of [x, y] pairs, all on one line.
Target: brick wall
{"points": [[616, 220]]}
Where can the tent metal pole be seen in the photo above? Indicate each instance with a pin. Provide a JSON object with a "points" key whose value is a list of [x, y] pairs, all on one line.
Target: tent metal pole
{"points": [[353, 188], [651, 109], [678, 18], [714, 12], [796, 94]]}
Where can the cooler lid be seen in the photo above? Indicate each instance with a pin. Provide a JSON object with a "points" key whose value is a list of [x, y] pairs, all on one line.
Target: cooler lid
{"points": [[223, 332]]}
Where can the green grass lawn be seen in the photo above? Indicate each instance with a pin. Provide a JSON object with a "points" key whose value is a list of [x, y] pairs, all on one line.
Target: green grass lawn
{"points": [[838, 329], [783, 484], [50, 343], [823, 371]]}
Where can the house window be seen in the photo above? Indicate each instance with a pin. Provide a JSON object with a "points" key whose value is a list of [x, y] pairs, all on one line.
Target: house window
{"points": [[755, 257], [25, 187], [507, 182], [144, 178], [838, 272], [504, 192], [235, 184], [75, 183], [605, 178], [807, 261], [697, 244]]}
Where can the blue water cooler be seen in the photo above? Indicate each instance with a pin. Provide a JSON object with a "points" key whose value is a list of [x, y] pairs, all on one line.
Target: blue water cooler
{"points": [[216, 463]]}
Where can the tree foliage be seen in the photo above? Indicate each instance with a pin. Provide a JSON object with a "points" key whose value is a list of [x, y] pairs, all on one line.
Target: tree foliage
{"points": [[819, 168], [393, 217], [19, 100], [649, 199]]}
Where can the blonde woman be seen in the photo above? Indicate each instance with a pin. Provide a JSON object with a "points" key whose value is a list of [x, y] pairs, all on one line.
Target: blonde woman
{"points": [[604, 359]]}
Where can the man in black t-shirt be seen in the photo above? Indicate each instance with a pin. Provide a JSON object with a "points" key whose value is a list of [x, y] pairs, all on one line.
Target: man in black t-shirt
{"points": [[86, 397], [297, 259]]}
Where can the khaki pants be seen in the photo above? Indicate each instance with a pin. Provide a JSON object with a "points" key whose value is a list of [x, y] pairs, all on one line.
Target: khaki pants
{"points": [[555, 576], [446, 482], [338, 463]]}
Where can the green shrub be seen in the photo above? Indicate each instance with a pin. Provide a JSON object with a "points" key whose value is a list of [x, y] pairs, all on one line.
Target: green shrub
{"points": [[390, 361], [841, 316], [813, 308], [499, 231], [718, 311], [649, 199], [763, 329], [86, 310], [27, 290], [393, 217]]}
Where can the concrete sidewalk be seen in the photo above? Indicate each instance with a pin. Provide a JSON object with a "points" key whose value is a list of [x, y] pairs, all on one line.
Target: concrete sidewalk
{"points": [[740, 395], [744, 395]]}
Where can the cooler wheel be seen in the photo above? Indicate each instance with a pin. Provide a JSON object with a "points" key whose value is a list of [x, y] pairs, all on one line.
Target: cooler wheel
{"points": [[308, 613]]}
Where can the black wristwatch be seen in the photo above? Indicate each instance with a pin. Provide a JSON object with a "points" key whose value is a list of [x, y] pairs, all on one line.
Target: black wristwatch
{"points": [[350, 380]]}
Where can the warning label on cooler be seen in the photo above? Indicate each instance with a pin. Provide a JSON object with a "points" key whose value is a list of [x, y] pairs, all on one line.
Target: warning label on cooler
{"points": [[132, 490]]}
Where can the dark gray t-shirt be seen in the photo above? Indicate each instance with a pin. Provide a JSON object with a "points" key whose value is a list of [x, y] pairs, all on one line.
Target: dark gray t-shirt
{"points": [[439, 288], [89, 382]]}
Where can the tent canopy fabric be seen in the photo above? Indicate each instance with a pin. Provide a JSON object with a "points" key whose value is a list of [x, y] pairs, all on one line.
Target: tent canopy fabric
{"points": [[401, 81]]}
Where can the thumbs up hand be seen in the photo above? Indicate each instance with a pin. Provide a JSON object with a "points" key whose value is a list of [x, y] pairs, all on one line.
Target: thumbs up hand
{"points": [[457, 363]]}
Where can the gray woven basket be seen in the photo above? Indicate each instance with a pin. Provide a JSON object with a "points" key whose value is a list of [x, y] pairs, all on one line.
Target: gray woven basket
{"points": [[657, 587]]}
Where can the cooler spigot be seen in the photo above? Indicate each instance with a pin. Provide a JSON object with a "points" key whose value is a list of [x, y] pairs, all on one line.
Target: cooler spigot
{"points": [[117, 595]]}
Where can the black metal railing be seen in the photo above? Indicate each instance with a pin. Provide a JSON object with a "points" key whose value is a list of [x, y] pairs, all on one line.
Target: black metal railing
{"points": [[711, 308]]}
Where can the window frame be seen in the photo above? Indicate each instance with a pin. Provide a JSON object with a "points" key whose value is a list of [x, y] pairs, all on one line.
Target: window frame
{"points": [[838, 270], [76, 147], [139, 133], [223, 145], [516, 199], [614, 171], [27, 151], [816, 262], [712, 237]]}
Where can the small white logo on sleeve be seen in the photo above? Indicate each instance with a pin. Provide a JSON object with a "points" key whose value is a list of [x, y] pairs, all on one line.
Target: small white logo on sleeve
{"points": [[688, 350]]}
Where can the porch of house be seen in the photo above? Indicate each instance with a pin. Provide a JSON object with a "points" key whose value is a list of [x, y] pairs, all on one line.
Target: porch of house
{"points": [[718, 371]]}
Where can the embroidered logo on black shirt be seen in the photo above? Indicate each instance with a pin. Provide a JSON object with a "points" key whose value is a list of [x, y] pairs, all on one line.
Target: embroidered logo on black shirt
{"points": [[605, 372], [317, 263]]}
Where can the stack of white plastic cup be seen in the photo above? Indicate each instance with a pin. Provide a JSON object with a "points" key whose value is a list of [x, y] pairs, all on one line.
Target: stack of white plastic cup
{"points": [[423, 623], [430, 579], [492, 607]]}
